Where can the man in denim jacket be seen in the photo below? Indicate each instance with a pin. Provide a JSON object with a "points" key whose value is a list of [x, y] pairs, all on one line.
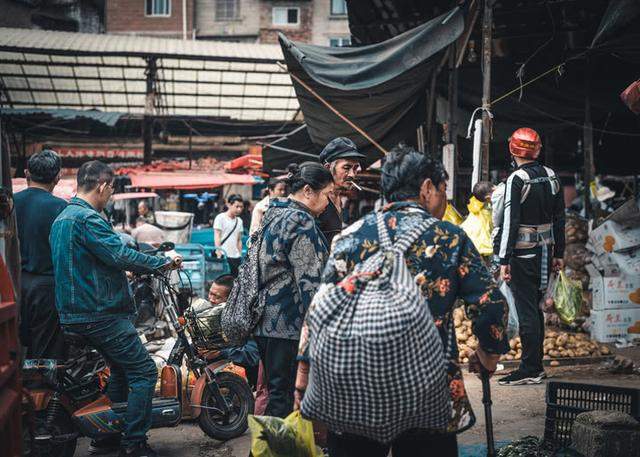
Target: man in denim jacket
{"points": [[93, 299]]}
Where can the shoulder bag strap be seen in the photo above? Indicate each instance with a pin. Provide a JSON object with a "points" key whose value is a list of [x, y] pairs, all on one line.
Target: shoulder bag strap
{"points": [[407, 239], [383, 233], [231, 232]]}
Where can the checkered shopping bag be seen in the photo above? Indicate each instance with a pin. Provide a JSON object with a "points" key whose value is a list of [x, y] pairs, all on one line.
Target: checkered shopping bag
{"points": [[377, 360]]}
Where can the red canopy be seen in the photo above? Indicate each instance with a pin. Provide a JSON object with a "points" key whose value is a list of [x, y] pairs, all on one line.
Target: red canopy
{"points": [[188, 180]]}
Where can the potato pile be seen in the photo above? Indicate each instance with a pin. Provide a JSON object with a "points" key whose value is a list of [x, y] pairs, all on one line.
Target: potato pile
{"points": [[556, 344], [576, 255]]}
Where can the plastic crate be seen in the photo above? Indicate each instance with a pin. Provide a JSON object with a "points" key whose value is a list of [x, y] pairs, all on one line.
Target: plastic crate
{"points": [[566, 400], [193, 266], [202, 236], [214, 266]]}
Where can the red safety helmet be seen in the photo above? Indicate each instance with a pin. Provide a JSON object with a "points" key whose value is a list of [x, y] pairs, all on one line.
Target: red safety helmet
{"points": [[525, 143]]}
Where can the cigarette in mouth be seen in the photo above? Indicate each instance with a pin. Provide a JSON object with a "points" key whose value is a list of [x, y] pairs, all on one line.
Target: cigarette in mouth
{"points": [[356, 186]]}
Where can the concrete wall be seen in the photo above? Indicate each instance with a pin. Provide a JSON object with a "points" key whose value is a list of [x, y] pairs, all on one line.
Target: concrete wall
{"points": [[255, 22], [128, 17], [73, 15], [245, 28], [326, 26]]}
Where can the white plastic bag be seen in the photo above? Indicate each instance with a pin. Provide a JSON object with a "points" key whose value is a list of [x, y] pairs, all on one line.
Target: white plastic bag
{"points": [[513, 327]]}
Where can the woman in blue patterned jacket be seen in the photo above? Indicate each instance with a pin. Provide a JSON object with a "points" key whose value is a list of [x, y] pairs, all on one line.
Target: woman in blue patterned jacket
{"points": [[292, 255]]}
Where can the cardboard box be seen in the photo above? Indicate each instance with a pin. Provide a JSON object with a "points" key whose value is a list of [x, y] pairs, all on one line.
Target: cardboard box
{"points": [[615, 292], [610, 324], [627, 263], [613, 237]]}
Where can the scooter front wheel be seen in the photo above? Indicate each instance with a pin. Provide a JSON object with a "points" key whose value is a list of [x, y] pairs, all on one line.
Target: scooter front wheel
{"points": [[238, 395]]}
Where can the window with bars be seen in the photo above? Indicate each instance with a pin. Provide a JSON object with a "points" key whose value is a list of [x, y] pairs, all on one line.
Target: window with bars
{"points": [[226, 10], [286, 16], [158, 7], [338, 42], [338, 7]]}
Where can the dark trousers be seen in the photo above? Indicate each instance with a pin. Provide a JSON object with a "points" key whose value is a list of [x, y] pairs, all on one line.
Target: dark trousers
{"points": [[234, 265], [407, 445], [40, 329], [279, 360], [525, 285], [133, 372]]}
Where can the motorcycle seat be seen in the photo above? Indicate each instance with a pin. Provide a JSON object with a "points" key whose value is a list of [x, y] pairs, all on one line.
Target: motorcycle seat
{"points": [[75, 339]]}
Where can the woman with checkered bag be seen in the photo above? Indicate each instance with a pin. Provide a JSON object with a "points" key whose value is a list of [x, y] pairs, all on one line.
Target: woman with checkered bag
{"points": [[439, 265]]}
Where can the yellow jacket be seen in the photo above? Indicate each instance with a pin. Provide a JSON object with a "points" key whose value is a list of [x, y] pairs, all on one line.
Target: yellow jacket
{"points": [[478, 225]]}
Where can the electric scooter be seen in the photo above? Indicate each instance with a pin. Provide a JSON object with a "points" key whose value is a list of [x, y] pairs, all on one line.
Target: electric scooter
{"points": [[66, 400]]}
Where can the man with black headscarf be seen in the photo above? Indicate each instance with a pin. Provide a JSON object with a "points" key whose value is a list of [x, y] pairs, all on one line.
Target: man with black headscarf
{"points": [[36, 209], [342, 158]]}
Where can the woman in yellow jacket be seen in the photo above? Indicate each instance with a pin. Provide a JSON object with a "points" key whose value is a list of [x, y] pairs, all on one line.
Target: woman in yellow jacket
{"points": [[478, 225]]}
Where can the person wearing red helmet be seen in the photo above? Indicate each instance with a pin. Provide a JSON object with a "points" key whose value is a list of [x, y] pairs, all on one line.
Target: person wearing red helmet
{"points": [[530, 243]]}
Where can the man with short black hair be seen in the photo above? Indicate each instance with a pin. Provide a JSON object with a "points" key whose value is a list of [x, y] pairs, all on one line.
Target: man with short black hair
{"points": [[342, 158], [228, 229], [36, 209], [93, 300]]}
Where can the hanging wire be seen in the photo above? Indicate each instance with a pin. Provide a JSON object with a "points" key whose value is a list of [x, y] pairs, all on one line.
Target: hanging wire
{"points": [[575, 124]]}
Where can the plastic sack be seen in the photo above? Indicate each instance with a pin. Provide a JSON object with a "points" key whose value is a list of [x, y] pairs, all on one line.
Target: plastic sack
{"points": [[547, 304], [452, 215], [513, 326], [568, 298], [276, 437], [478, 226]]}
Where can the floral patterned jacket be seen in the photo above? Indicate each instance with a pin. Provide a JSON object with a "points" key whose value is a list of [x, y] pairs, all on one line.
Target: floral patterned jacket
{"points": [[292, 255], [447, 267]]}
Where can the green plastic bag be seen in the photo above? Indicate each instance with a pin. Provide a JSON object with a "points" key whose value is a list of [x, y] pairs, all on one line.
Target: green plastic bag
{"points": [[568, 298], [276, 437]]}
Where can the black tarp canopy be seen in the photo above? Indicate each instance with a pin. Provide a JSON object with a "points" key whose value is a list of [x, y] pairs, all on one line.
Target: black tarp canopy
{"points": [[379, 87], [600, 37]]}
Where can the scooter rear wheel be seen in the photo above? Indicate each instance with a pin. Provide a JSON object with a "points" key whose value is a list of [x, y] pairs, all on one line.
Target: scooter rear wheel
{"points": [[240, 398]]}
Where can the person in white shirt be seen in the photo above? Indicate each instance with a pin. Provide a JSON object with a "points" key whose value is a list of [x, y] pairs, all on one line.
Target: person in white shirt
{"points": [[275, 188], [228, 229], [147, 233]]}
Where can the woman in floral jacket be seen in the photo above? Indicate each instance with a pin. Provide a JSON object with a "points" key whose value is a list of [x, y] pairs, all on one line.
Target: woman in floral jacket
{"points": [[293, 252], [447, 267]]}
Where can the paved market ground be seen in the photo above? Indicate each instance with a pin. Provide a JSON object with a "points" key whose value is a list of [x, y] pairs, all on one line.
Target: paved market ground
{"points": [[517, 412]]}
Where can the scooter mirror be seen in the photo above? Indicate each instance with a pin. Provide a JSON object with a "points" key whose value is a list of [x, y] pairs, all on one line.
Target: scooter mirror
{"points": [[166, 246]]}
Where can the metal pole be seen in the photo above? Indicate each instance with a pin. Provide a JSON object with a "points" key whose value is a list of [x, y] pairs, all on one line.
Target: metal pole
{"points": [[190, 146], [149, 110], [589, 168], [487, 23], [452, 124]]}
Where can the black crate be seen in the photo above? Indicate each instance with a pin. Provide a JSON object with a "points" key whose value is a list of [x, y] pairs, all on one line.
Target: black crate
{"points": [[565, 400]]}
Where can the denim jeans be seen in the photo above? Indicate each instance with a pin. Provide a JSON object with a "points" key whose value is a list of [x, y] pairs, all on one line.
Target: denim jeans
{"points": [[133, 373]]}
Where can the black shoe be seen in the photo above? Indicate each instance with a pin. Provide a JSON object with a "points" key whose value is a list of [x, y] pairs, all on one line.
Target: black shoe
{"points": [[517, 378], [104, 445], [141, 449]]}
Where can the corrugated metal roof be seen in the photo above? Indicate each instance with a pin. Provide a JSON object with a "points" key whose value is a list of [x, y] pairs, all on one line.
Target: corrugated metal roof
{"points": [[26, 40], [108, 119], [59, 70]]}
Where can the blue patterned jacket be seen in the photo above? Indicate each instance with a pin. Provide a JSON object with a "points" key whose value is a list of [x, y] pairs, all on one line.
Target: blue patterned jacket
{"points": [[292, 255]]}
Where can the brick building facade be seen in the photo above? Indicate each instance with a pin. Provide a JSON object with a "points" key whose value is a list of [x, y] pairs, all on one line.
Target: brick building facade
{"points": [[160, 18]]}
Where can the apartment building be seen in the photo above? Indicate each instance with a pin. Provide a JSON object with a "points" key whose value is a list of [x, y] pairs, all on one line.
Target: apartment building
{"points": [[322, 22]]}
